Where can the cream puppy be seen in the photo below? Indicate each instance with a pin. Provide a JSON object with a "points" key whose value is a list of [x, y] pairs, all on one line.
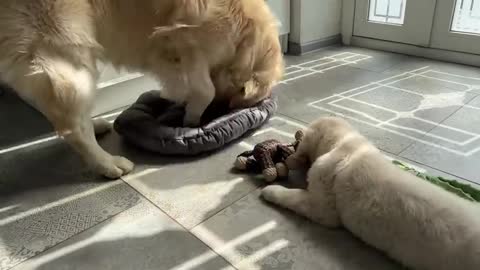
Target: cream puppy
{"points": [[351, 184]]}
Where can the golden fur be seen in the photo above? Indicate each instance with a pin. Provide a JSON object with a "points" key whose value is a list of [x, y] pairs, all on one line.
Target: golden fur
{"points": [[199, 50], [352, 184]]}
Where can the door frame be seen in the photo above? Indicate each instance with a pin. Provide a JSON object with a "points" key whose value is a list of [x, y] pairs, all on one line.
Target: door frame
{"points": [[348, 38], [416, 28], [448, 40]]}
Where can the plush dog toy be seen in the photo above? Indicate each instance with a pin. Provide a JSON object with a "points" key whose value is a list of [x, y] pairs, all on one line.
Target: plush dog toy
{"points": [[268, 158]]}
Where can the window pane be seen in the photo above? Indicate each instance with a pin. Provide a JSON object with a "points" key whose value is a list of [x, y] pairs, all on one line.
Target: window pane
{"points": [[387, 11], [467, 16]]}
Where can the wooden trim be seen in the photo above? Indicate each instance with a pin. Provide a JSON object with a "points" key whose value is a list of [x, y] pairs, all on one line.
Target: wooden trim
{"points": [[299, 49]]}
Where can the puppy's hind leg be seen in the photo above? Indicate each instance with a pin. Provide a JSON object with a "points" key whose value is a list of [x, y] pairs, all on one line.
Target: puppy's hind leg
{"points": [[63, 92]]}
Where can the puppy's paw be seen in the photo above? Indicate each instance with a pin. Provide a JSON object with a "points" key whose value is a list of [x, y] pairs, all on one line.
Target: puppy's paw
{"points": [[272, 193], [115, 167], [295, 162], [282, 169]]}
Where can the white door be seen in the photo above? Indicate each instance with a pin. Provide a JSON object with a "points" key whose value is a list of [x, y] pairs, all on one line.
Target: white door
{"points": [[448, 25], [405, 21], [457, 26]]}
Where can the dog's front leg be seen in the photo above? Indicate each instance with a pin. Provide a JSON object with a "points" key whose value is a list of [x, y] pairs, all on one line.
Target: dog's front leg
{"points": [[82, 138], [64, 92], [201, 94]]}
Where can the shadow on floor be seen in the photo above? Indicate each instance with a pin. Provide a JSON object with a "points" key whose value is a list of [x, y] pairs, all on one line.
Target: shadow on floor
{"points": [[19, 122], [176, 249], [166, 250]]}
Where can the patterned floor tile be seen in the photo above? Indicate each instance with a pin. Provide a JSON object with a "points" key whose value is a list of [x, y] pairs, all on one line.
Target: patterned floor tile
{"points": [[56, 214], [453, 146], [192, 190], [141, 237], [253, 235], [24, 122], [48, 196]]}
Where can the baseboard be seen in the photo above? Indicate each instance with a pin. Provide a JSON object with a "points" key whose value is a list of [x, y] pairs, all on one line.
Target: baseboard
{"points": [[284, 42], [299, 49], [436, 54]]}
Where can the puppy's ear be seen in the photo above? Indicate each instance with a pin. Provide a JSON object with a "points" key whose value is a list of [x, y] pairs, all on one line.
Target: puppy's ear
{"points": [[299, 135]]}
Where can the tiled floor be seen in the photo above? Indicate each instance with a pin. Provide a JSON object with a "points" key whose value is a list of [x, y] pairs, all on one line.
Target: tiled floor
{"points": [[197, 214]]}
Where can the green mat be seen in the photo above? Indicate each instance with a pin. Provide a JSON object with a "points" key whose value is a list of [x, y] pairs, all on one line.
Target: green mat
{"points": [[463, 190]]}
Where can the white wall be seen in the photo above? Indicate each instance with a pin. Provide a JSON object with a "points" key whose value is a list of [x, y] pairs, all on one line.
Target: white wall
{"points": [[281, 9], [314, 20]]}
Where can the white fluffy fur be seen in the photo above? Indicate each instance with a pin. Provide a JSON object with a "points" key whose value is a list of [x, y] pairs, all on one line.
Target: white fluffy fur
{"points": [[351, 184]]}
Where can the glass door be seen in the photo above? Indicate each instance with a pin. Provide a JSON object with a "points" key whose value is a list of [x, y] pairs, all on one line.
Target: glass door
{"points": [[449, 25], [404, 21], [457, 26]]}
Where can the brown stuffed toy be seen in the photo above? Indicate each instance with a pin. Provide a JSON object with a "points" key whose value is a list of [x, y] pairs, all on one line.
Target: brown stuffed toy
{"points": [[268, 158]]}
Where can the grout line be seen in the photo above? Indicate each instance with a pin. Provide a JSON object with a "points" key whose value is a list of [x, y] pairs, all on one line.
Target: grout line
{"points": [[332, 60], [212, 214], [440, 170], [440, 123], [389, 122], [398, 133], [387, 82], [291, 118], [175, 221]]}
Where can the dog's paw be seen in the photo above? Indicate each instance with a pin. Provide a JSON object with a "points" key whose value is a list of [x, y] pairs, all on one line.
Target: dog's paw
{"points": [[115, 167]]}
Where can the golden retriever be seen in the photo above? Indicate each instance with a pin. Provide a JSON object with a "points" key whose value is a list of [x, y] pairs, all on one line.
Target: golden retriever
{"points": [[198, 49], [351, 183]]}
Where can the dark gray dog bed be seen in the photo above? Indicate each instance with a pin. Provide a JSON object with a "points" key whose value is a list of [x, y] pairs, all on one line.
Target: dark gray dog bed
{"points": [[155, 124]]}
